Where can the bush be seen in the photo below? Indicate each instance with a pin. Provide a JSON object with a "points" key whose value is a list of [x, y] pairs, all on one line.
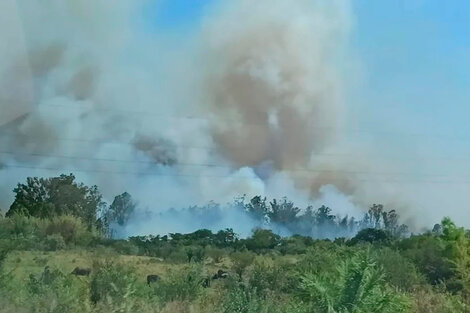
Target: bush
{"points": [[216, 254], [177, 256], [241, 300], [18, 226], [241, 260], [184, 285], [125, 247], [371, 235], [428, 254], [399, 271], [112, 282], [52, 291], [356, 285], [427, 300], [262, 240], [54, 242], [195, 254], [71, 228], [293, 245], [268, 276]]}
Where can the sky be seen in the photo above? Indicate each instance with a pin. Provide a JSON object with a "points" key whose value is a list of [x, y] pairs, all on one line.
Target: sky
{"points": [[409, 74], [403, 75], [413, 54]]}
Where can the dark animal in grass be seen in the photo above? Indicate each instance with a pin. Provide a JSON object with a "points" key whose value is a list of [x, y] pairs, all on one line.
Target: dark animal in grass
{"points": [[220, 274], [152, 279], [81, 271]]}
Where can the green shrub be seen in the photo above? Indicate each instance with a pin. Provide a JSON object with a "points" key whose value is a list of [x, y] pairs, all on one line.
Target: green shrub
{"points": [[52, 291], [177, 256], [268, 276], [356, 285], [262, 240], [399, 271], [241, 260], [71, 228], [431, 300], [111, 282], [19, 225], [195, 254], [184, 285], [240, 300], [125, 247], [428, 253], [216, 254], [54, 242], [371, 235]]}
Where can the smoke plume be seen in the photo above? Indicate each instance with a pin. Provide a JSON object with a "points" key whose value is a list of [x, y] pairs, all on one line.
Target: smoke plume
{"points": [[248, 102]]}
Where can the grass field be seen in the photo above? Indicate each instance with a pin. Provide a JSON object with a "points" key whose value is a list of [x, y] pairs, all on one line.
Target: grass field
{"points": [[23, 263]]}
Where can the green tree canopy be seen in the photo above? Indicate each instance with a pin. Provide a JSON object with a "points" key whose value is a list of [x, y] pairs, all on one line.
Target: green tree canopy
{"points": [[121, 209], [49, 197]]}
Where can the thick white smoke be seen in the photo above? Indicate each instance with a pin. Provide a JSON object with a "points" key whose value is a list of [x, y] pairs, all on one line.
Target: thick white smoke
{"points": [[248, 103]]}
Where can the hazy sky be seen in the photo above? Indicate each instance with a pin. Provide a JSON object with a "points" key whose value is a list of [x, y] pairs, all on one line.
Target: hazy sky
{"points": [[404, 66], [414, 57]]}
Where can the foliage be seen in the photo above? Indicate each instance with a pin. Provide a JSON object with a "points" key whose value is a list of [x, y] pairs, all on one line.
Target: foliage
{"points": [[357, 285], [72, 229], [184, 285], [268, 276], [241, 260], [54, 242], [262, 239], [399, 271], [371, 235], [121, 209], [49, 197], [111, 281], [374, 266]]}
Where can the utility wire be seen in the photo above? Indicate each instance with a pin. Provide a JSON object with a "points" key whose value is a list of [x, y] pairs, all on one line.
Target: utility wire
{"points": [[350, 172], [134, 173], [252, 123]]}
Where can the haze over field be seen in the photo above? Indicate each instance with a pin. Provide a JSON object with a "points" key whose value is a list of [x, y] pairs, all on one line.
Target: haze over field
{"points": [[274, 98]]}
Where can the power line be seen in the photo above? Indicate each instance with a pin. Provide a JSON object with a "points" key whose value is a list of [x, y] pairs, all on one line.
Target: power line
{"points": [[133, 173], [251, 123], [349, 172], [207, 148]]}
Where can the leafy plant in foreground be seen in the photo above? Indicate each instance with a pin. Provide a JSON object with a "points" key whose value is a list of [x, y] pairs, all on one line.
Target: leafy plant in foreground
{"points": [[357, 285]]}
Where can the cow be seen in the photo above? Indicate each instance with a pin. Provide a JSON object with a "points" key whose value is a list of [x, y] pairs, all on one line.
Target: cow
{"points": [[81, 271], [152, 279], [220, 274]]}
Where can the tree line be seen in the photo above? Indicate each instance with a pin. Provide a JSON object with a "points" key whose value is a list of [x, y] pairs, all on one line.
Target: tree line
{"points": [[62, 195]]}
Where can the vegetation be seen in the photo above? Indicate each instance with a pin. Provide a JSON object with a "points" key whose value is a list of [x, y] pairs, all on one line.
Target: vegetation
{"points": [[56, 225]]}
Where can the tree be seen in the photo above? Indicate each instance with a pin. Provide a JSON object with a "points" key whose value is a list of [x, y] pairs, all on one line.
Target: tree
{"points": [[262, 239], [226, 237], [457, 248], [323, 216], [241, 260], [121, 209], [371, 235], [284, 212], [257, 208], [49, 197]]}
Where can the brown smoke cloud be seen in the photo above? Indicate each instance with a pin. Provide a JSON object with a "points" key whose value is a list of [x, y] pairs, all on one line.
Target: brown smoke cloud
{"points": [[86, 80], [273, 84]]}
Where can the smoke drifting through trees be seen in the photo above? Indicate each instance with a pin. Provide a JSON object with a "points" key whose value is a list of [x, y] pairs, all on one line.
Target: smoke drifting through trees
{"points": [[262, 99], [282, 216]]}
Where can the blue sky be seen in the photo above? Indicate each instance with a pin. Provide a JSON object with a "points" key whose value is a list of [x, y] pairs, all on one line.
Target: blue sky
{"points": [[414, 56]]}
